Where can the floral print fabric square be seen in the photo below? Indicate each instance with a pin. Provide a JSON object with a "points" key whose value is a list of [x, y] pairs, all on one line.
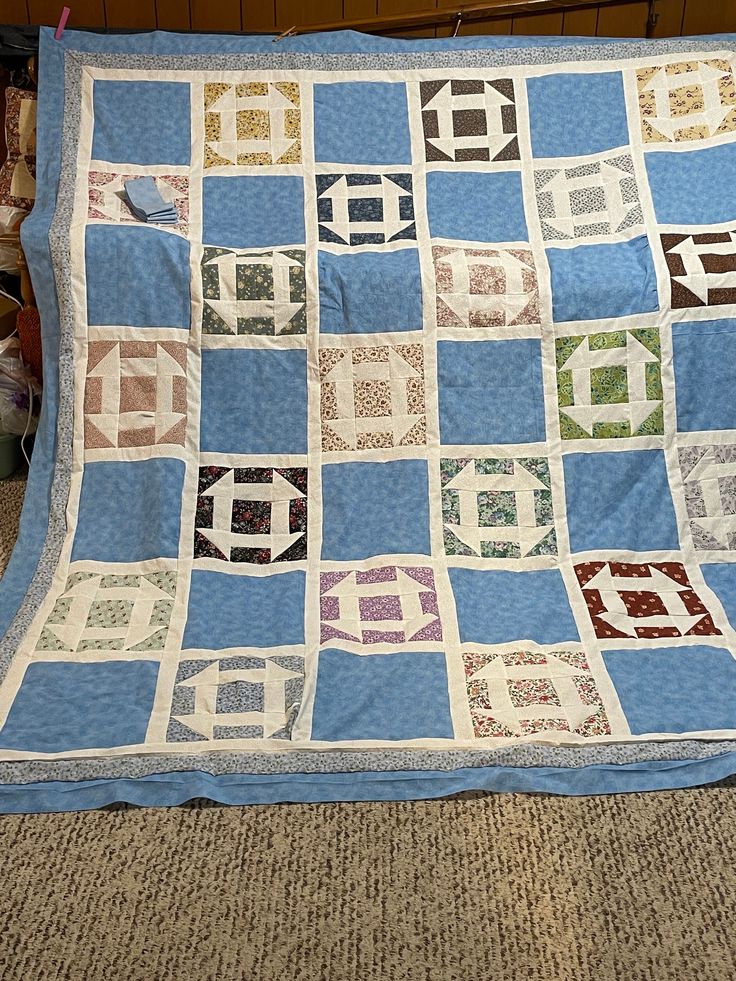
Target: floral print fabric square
{"points": [[497, 508], [372, 397], [252, 515], [254, 292], [135, 394], [524, 692], [687, 100], [609, 386], [485, 287], [252, 123]]}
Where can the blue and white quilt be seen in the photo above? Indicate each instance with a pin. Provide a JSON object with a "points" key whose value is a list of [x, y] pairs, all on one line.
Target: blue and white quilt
{"points": [[405, 462]]}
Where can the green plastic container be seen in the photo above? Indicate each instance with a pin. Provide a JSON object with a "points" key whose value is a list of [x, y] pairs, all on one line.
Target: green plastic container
{"points": [[11, 455]]}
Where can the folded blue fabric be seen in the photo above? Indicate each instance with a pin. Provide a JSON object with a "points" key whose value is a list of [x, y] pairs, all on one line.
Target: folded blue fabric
{"points": [[147, 204]]}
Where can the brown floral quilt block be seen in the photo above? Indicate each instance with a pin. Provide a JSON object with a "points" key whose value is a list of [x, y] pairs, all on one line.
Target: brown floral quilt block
{"points": [[687, 100], [372, 397], [135, 394]]}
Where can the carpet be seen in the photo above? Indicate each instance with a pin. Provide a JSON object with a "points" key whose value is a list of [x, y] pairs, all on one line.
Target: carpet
{"points": [[636, 887]]}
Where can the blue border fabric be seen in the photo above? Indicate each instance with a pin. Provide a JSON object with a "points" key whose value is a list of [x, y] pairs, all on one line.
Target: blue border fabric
{"points": [[171, 789], [174, 788]]}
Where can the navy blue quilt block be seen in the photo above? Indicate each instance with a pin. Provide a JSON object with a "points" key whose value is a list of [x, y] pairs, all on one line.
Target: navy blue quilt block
{"points": [[360, 208]]}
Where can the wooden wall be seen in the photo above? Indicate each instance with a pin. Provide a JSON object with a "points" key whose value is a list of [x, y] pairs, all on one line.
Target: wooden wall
{"points": [[676, 16]]}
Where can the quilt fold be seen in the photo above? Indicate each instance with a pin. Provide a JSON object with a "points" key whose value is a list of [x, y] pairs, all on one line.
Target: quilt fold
{"points": [[401, 460]]}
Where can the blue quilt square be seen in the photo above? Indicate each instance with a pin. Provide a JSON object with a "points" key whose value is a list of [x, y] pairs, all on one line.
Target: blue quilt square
{"points": [[500, 607], [375, 509], [137, 277], [381, 696], [244, 611], [705, 374], [674, 689], [490, 391], [369, 292], [129, 511], [141, 122], [253, 401], [687, 188], [63, 705], [595, 282], [619, 500], [361, 123], [476, 207], [245, 212], [721, 578], [597, 123]]}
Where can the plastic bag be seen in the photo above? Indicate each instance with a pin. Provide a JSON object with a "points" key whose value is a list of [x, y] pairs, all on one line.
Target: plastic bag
{"points": [[19, 404]]}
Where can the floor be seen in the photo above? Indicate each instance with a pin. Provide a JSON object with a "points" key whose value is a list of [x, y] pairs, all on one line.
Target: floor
{"points": [[630, 888]]}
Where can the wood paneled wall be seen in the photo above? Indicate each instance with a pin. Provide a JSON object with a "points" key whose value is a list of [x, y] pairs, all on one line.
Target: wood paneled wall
{"points": [[676, 17]]}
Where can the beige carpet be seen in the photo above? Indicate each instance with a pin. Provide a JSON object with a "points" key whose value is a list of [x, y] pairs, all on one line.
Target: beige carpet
{"points": [[482, 888]]}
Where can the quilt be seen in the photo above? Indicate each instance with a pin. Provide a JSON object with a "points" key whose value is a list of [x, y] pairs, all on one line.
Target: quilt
{"points": [[405, 462]]}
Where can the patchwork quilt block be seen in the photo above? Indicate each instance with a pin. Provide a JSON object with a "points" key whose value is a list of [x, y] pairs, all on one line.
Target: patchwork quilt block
{"points": [[687, 100], [18, 170], [643, 600], [610, 385], [388, 604], [405, 462], [365, 209], [709, 479], [108, 202], [261, 292], [701, 268], [497, 508], [135, 393], [234, 697], [256, 123], [372, 397], [469, 119], [596, 198], [522, 692], [251, 514], [485, 287], [111, 612]]}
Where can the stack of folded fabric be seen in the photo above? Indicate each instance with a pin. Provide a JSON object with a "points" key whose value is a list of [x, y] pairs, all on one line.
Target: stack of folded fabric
{"points": [[146, 202]]}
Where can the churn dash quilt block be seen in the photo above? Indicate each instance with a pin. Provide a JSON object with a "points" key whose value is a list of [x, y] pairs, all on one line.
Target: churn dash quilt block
{"points": [[405, 462]]}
